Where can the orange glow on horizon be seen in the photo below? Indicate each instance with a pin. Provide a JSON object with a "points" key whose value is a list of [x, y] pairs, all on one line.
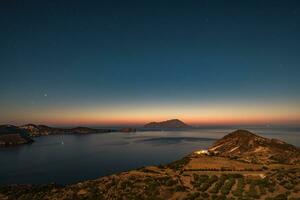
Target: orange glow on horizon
{"points": [[131, 121], [132, 115]]}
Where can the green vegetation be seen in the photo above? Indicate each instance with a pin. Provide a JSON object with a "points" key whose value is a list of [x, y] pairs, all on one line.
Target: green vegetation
{"points": [[167, 180], [278, 197], [227, 186], [192, 196], [179, 164], [147, 170], [219, 184], [208, 183], [203, 182], [153, 186], [238, 192], [252, 190]]}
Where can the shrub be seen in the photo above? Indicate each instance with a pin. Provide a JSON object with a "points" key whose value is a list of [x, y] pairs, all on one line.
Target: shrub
{"points": [[151, 184], [235, 176], [219, 184], [170, 182], [161, 166], [240, 188], [214, 196], [199, 180], [204, 195], [252, 191], [262, 190], [288, 185], [271, 189], [221, 197], [179, 164], [208, 183], [227, 186], [280, 197], [179, 188], [192, 196]]}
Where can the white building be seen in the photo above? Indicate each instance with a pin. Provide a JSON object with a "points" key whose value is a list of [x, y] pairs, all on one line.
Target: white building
{"points": [[202, 152]]}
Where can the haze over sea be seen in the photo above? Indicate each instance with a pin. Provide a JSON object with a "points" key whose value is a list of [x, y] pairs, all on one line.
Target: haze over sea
{"points": [[71, 158]]}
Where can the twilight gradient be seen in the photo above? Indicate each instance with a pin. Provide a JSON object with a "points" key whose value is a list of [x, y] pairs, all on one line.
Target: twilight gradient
{"points": [[130, 62]]}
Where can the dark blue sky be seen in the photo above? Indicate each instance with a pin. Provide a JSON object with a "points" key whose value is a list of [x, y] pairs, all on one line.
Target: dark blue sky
{"points": [[66, 59]]}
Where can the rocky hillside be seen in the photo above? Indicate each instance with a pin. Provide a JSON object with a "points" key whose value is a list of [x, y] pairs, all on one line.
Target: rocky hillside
{"points": [[39, 130], [169, 124], [12, 135], [246, 146], [218, 175]]}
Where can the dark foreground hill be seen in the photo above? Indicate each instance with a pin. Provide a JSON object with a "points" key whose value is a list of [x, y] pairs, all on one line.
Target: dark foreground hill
{"points": [[12, 135], [246, 146], [169, 124], [200, 175]]}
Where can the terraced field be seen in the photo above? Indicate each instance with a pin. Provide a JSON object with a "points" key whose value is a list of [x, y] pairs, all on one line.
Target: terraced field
{"points": [[166, 183], [237, 186]]}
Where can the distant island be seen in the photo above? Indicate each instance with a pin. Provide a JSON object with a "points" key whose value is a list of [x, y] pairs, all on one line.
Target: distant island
{"points": [[241, 165], [11, 135], [168, 124], [40, 130]]}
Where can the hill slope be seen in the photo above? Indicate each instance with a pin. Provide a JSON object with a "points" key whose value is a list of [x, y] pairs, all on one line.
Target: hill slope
{"points": [[246, 146], [12, 135], [196, 176]]}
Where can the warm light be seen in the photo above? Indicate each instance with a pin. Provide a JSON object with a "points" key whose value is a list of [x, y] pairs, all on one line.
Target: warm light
{"points": [[191, 113]]}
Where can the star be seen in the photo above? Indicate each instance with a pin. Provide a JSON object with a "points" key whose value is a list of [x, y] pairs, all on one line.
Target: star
{"points": [[45, 95]]}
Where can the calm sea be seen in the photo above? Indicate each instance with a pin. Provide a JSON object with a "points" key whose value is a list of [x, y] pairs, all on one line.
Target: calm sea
{"points": [[71, 158]]}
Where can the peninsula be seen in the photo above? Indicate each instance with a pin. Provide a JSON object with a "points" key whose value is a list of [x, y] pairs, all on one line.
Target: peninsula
{"points": [[241, 165]]}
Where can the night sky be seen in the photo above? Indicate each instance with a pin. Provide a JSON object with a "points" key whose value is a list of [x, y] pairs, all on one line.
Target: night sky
{"points": [[131, 62]]}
